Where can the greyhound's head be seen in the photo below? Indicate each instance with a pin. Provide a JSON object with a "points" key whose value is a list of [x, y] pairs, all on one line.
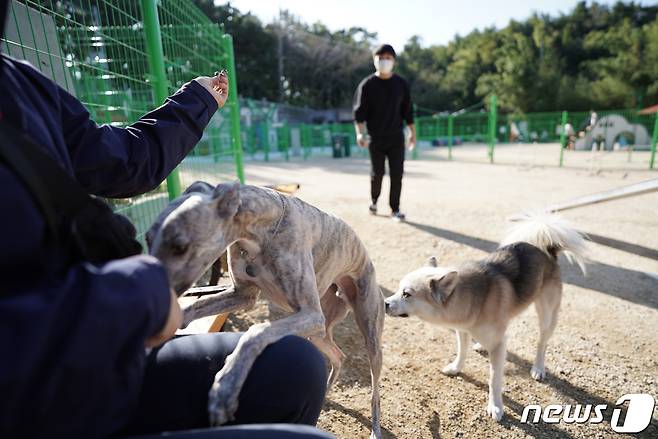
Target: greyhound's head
{"points": [[423, 293], [190, 235]]}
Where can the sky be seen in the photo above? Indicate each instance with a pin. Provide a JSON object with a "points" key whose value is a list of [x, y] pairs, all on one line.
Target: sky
{"points": [[437, 22]]}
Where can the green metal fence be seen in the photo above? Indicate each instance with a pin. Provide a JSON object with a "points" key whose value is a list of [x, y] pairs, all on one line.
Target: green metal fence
{"points": [[122, 58], [615, 137]]}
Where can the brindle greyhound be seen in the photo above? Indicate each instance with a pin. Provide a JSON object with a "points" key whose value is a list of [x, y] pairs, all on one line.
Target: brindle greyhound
{"points": [[307, 262]]}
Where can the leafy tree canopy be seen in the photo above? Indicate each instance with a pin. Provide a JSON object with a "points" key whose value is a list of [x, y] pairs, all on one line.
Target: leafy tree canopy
{"points": [[594, 57]]}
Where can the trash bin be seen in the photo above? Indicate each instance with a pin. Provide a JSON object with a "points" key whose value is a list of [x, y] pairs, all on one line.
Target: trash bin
{"points": [[338, 144], [348, 145]]}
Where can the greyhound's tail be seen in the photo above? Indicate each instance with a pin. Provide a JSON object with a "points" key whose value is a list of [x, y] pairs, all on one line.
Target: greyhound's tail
{"points": [[551, 234]]}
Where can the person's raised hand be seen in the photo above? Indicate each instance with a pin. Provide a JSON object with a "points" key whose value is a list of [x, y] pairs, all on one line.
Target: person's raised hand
{"points": [[216, 85]]}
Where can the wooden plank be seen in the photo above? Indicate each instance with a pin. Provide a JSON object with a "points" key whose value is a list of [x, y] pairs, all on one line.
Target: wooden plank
{"points": [[631, 190], [218, 323], [285, 188]]}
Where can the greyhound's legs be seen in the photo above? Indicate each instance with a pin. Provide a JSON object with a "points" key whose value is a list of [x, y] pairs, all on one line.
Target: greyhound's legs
{"points": [[368, 304], [302, 292], [236, 297], [223, 395], [334, 309]]}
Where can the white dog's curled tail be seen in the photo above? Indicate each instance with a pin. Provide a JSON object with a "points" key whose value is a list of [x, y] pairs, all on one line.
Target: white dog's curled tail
{"points": [[550, 233]]}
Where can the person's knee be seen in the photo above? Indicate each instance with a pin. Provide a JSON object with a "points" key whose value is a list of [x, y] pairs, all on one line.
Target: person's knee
{"points": [[293, 374], [301, 363]]}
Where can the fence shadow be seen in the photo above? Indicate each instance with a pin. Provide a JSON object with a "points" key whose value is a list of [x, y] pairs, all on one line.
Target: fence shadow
{"points": [[632, 285], [624, 246]]}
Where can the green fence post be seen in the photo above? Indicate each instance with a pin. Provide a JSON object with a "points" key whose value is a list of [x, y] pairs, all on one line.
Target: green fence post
{"points": [[251, 138], [654, 140], [306, 131], [450, 136], [492, 128], [414, 153], [234, 107], [563, 136], [286, 143], [158, 76], [266, 139]]}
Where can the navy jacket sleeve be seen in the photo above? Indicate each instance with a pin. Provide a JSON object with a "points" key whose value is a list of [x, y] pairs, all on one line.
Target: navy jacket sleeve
{"points": [[360, 108], [122, 162]]}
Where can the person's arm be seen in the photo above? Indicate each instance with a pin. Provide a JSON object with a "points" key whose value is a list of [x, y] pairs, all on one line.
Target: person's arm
{"points": [[121, 162], [360, 114], [408, 115]]}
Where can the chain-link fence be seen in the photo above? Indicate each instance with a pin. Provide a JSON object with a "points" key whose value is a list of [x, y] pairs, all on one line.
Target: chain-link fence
{"points": [[122, 58]]}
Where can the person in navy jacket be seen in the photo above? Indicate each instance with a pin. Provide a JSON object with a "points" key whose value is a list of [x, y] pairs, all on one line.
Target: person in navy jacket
{"points": [[73, 334]]}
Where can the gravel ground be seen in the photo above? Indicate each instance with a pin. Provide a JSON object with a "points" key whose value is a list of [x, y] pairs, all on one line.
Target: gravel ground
{"points": [[603, 346]]}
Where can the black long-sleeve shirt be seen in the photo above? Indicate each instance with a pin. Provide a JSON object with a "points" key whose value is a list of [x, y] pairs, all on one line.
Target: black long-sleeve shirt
{"points": [[383, 104]]}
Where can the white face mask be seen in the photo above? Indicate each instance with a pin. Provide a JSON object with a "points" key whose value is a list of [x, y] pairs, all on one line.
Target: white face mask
{"points": [[384, 66]]}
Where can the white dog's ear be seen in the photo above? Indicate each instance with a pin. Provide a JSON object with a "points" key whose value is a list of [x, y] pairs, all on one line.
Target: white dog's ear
{"points": [[227, 198], [443, 287], [431, 262]]}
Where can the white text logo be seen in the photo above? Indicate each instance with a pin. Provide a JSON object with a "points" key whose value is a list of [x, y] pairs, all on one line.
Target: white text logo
{"points": [[638, 414]]}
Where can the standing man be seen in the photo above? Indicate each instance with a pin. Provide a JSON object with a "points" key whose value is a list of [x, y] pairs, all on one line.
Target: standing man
{"points": [[382, 102]]}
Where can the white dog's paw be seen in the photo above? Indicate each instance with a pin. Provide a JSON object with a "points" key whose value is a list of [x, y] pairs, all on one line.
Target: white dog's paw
{"points": [[496, 412], [452, 369], [477, 347], [538, 373], [221, 406]]}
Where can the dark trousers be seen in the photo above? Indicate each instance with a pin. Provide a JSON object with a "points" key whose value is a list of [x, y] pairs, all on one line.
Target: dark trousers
{"points": [[381, 149], [286, 384]]}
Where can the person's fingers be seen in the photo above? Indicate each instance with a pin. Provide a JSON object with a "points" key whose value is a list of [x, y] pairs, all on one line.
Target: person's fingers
{"points": [[220, 84], [220, 80]]}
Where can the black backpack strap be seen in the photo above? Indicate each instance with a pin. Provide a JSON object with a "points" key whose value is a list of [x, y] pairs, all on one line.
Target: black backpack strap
{"points": [[61, 198], [12, 153]]}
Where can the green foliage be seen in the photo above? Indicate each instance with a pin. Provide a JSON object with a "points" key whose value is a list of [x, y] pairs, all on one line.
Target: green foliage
{"points": [[594, 57]]}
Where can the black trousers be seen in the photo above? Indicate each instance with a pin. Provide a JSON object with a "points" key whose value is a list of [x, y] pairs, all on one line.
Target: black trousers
{"points": [[286, 384], [391, 148]]}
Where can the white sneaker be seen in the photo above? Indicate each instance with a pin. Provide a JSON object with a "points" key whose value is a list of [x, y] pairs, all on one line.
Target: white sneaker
{"points": [[398, 217], [373, 209]]}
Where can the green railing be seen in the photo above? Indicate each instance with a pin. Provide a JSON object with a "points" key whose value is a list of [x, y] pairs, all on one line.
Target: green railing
{"points": [[122, 58], [625, 130]]}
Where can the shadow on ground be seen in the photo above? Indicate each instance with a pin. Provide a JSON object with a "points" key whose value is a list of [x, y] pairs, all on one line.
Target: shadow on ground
{"points": [[361, 419]]}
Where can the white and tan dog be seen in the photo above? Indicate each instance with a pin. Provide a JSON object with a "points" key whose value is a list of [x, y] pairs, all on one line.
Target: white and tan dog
{"points": [[480, 298]]}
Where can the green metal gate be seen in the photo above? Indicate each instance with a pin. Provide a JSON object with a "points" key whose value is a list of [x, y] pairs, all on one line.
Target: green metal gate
{"points": [[122, 58]]}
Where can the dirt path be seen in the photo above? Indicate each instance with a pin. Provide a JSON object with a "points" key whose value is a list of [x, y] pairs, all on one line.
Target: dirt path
{"points": [[603, 346]]}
